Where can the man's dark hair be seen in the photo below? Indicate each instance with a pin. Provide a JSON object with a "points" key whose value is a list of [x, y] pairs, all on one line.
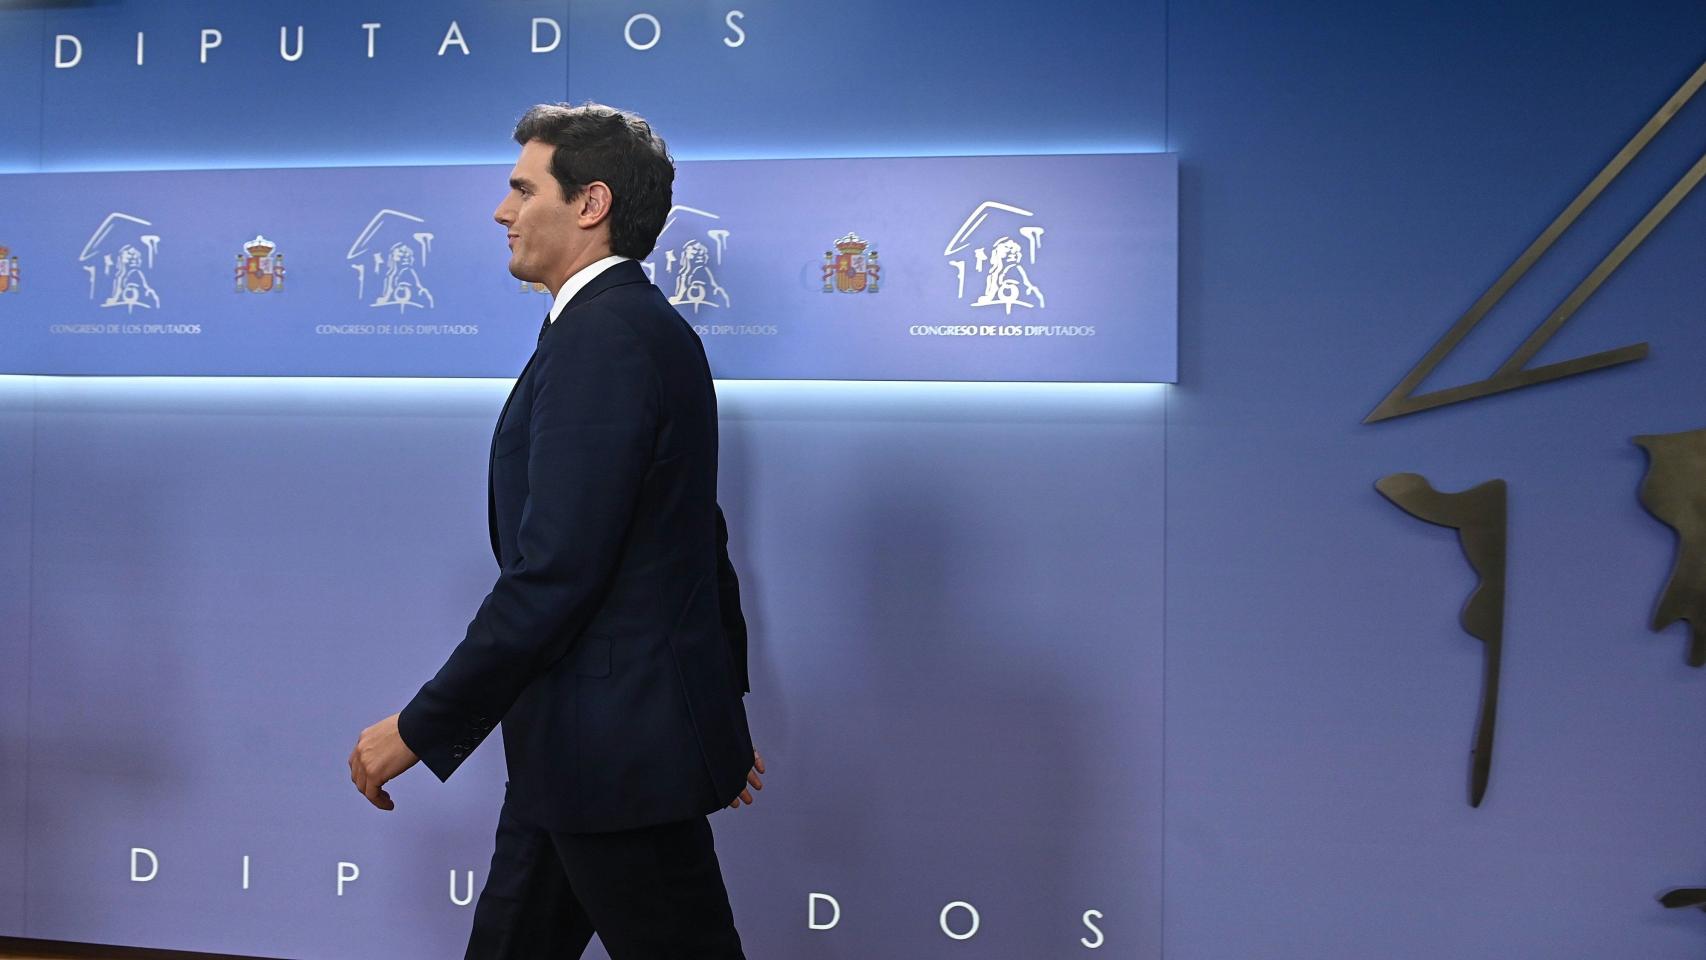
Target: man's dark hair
{"points": [[596, 142]]}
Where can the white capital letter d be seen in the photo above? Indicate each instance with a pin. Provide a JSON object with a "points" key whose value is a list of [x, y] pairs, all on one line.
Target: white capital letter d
{"points": [[59, 61], [811, 911], [153, 864], [556, 34]]}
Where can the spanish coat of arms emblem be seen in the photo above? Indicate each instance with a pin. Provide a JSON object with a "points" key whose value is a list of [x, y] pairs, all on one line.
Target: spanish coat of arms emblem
{"points": [[260, 267], [851, 267]]}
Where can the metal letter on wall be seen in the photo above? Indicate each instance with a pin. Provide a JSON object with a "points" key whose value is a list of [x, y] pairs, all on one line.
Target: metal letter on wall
{"points": [[1478, 516], [1674, 490], [1513, 373]]}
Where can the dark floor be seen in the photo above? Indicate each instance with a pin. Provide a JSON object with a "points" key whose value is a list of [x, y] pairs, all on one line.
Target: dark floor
{"points": [[12, 948]]}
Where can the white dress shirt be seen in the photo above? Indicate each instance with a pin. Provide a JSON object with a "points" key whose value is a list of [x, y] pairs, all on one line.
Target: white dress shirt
{"points": [[582, 277]]}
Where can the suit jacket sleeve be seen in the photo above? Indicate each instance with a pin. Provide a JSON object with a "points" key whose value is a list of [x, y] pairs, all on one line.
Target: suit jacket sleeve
{"points": [[593, 425], [728, 599]]}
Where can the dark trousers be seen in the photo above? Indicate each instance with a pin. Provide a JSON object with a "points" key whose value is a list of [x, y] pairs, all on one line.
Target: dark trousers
{"points": [[650, 894]]}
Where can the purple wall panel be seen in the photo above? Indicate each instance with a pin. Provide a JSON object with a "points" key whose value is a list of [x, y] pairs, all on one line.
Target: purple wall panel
{"points": [[17, 465], [961, 664], [236, 582], [952, 665]]}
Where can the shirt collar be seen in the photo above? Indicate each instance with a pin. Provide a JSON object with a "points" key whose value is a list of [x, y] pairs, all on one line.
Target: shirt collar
{"points": [[576, 283]]}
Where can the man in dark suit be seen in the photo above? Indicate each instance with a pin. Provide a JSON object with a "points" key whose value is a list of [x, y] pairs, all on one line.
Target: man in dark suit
{"points": [[612, 647]]}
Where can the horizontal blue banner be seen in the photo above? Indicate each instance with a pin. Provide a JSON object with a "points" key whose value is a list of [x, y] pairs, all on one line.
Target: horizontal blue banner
{"points": [[1056, 268]]}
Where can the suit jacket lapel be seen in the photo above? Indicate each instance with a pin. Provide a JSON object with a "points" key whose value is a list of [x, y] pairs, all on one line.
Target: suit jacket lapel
{"points": [[628, 271]]}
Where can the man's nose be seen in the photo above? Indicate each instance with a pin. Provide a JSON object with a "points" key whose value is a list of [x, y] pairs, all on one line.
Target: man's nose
{"points": [[502, 214]]}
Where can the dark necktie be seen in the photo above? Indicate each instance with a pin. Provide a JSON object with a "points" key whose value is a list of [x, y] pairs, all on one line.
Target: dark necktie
{"points": [[545, 326]]}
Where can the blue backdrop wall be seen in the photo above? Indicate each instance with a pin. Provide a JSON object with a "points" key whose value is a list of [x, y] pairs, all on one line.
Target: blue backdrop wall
{"points": [[1161, 653]]}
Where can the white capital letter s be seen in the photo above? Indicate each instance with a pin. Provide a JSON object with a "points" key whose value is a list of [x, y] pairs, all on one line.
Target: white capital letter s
{"points": [[740, 35], [1088, 916]]}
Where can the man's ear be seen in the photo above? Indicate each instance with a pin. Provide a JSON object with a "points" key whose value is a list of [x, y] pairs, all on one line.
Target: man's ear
{"points": [[594, 204]]}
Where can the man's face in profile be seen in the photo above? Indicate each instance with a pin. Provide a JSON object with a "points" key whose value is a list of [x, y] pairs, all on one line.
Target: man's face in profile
{"points": [[544, 238]]}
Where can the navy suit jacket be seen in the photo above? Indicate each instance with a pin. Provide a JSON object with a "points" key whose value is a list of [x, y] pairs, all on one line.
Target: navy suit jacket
{"points": [[612, 647]]}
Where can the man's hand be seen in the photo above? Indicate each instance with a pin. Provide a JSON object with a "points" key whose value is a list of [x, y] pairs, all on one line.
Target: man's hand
{"points": [[379, 756], [751, 778]]}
